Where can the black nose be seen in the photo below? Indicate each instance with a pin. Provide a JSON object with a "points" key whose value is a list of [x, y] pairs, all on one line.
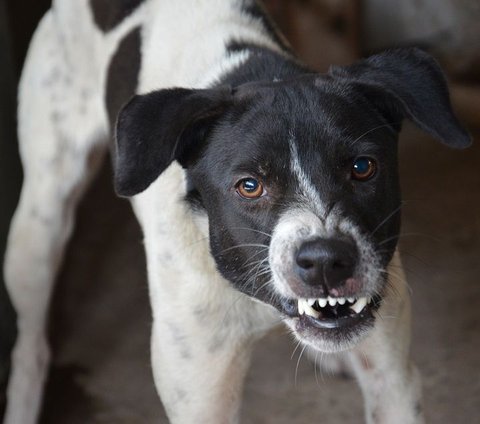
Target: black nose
{"points": [[326, 261]]}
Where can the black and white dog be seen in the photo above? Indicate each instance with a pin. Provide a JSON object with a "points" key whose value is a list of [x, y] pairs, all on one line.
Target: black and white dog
{"points": [[266, 193]]}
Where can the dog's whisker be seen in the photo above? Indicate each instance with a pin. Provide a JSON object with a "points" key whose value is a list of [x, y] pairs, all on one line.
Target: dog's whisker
{"points": [[388, 124], [239, 246], [416, 257], [298, 363], [299, 342], [322, 367], [396, 210], [253, 263], [253, 230], [315, 368], [412, 234]]}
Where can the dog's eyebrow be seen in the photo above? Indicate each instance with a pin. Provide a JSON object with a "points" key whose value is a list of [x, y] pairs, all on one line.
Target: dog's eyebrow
{"points": [[257, 167]]}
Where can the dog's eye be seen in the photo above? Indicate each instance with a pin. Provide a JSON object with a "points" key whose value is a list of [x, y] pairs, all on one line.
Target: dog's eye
{"points": [[250, 188], [363, 168]]}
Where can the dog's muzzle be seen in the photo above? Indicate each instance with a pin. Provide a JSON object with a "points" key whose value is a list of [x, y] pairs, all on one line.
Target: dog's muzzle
{"points": [[328, 278]]}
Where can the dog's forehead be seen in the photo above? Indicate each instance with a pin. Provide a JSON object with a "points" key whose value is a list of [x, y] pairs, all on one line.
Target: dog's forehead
{"points": [[301, 118], [312, 107]]}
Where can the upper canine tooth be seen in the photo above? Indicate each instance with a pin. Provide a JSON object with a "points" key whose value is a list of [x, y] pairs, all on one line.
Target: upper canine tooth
{"points": [[341, 300], [359, 305], [311, 301], [351, 299], [322, 302], [310, 311], [301, 308], [332, 301]]}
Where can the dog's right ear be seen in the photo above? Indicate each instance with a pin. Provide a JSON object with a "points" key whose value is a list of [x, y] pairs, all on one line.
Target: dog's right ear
{"points": [[407, 83], [157, 128]]}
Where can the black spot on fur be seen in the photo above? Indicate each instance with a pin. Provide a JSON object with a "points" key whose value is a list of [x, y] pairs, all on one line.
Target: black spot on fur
{"points": [[122, 77], [107, 14]]}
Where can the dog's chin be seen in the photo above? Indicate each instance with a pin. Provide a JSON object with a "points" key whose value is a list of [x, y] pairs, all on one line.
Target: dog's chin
{"points": [[330, 329]]}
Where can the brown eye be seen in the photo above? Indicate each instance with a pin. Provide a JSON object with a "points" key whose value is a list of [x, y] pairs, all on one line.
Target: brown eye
{"points": [[250, 188], [363, 168]]}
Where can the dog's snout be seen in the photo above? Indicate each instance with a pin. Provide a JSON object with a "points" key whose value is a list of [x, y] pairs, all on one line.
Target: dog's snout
{"points": [[327, 262]]}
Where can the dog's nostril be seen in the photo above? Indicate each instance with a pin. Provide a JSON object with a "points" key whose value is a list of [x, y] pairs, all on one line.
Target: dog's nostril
{"points": [[305, 263], [338, 265]]}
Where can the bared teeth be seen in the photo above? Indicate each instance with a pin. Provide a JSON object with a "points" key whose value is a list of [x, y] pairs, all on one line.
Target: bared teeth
{"points": [[359, 305], [301, 310], [310, 311], [305, 306]]}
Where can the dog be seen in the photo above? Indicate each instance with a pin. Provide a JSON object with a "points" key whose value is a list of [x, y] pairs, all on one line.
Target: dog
{"points": [[266, 193]]}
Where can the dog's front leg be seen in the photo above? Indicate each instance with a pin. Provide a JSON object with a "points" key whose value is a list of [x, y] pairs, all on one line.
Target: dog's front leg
{"points": [[203, 330], [389, 381], [201, 348]]}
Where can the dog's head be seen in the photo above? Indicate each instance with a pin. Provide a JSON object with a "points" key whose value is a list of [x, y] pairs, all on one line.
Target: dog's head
{"points": [[298, 179]]}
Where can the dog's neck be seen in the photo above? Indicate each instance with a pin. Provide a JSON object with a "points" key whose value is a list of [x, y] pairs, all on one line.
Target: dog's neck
{"points": [[262, 64]]}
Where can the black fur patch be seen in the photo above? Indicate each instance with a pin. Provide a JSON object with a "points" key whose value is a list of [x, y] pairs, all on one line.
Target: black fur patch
{"points": [[107, 14], [122, 76]]}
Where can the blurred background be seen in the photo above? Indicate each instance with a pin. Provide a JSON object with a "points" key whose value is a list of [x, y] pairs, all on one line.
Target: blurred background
{"points": [[100, 316]]}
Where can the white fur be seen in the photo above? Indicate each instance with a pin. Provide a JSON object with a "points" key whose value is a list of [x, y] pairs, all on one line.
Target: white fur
{"points": [[203, 330], [309, 193]]}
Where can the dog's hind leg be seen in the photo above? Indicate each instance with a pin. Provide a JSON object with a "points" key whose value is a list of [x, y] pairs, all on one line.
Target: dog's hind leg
{"points": [[61, 137]]}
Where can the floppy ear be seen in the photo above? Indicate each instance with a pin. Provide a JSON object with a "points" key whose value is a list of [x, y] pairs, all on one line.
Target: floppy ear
{"points": [[408, 83], [157, 128]]}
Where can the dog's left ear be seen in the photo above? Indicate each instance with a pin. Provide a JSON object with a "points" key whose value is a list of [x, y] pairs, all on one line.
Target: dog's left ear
{"points": [[157, 128], [408, 83]]}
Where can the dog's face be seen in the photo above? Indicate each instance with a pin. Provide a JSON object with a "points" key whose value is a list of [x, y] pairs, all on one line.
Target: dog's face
{"points": [[298, 180]]}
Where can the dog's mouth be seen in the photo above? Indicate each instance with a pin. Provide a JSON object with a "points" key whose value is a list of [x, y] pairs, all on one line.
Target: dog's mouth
{"points": [[332, 312]]}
